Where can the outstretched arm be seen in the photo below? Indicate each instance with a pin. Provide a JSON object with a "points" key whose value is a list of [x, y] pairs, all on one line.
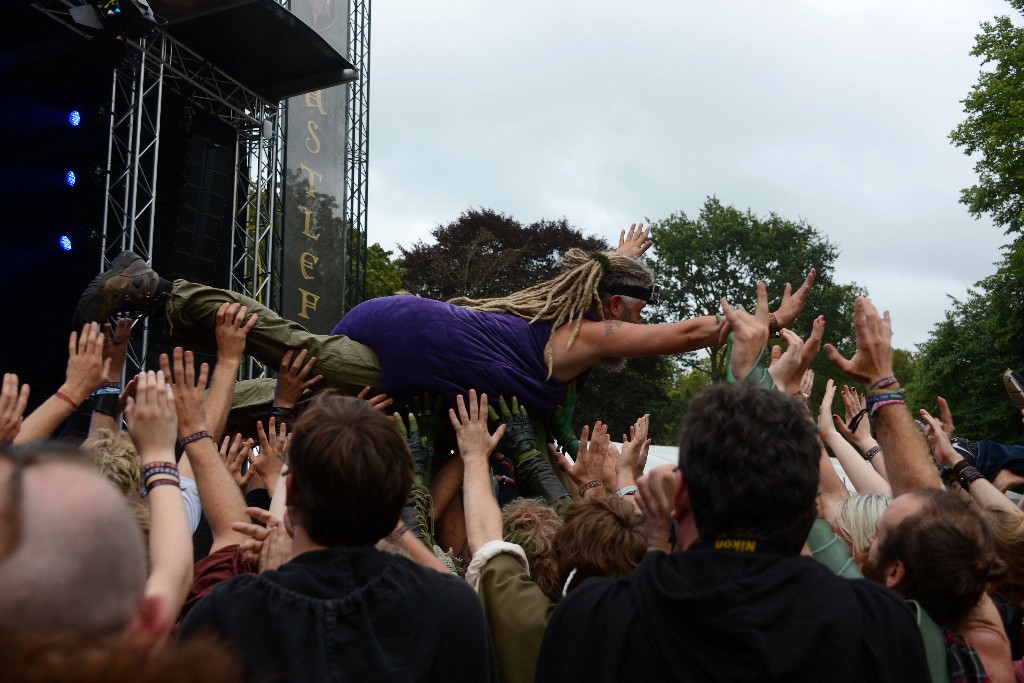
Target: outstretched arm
{"points": [[602, 339]]}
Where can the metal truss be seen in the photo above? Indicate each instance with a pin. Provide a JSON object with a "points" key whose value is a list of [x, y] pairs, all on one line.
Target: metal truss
{"points": [[357, 154]]}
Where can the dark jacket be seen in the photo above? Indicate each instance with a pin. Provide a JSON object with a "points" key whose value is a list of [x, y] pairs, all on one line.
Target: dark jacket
{"points": [[350, 614], [711, 615]]}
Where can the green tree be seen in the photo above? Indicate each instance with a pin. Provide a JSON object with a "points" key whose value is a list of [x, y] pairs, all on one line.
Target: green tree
{"points": [[483, 254], [725, 252], [994, 128], [383, 275], [966, 354]]}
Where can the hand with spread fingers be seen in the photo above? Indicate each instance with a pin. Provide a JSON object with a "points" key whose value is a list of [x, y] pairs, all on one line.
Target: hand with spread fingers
{"points": [[87, 368], [380, 402], [873, 358], [476, 443], [189, 390], [270, 460], [293, 378], [235, 453], [12, 407], [232, 328], [590, 464], [635, 242]]}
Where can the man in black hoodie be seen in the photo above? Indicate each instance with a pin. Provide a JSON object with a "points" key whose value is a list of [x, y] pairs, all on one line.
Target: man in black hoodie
{"points": [[740, 603]]}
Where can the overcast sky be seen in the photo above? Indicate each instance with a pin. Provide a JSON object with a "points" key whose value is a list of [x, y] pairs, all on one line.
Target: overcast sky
{"points": [[608, 113]]}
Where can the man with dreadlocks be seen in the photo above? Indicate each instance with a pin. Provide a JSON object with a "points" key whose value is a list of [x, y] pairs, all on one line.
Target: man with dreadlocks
{"points": [[529, 344]]}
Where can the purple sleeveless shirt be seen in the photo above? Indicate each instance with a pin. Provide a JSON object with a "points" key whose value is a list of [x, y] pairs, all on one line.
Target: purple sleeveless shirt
{"points": [[427, 345]]}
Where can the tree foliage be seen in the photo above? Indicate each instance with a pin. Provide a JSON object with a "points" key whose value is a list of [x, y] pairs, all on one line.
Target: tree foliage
{"points": [[725, 252], [486, 254], [966, 354], [994, 128], [383, 274]]}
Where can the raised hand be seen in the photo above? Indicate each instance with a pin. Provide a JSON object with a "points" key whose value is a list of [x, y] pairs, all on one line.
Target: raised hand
{"points": [[826, 426], [632, 445], [793, 302], [152, 418], [12, 407], [379, 402], [589, 465], [269, 546], [235, 453], [87, 369], [293, 378], [635, 242], [189, 390], [750, 333], [519, 441], [873, 358], [270, 461], [115, 346], [474, 438], [231, 329]]}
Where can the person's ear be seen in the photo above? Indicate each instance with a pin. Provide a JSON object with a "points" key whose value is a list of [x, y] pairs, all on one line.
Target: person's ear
{"points": [[895, 575], [680, 497], [616, 306], [152, 620]]}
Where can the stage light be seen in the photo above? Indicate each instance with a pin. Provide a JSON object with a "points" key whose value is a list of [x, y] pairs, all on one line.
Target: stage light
{"points": [[65, 243], [75, 118], [71, 179]]}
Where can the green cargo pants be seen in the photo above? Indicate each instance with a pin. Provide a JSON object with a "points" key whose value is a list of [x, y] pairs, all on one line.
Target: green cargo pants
{"points": [[192, 316]]}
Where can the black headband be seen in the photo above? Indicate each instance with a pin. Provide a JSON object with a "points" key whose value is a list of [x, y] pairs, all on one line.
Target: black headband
{"points": [[649, 294]]}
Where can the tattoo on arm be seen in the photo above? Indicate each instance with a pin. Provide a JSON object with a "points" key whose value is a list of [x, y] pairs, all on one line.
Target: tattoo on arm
{"points": [[610, 325]]}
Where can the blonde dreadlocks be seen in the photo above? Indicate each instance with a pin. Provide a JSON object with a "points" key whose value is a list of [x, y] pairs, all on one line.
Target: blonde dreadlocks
{"points": [[569, 296]]}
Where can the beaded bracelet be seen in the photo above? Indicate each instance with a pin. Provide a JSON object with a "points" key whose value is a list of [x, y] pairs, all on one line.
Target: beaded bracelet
{"points": [[195, 437], [159, 482], [872, 452], [157, 463], [774, 329], [589, 485]]}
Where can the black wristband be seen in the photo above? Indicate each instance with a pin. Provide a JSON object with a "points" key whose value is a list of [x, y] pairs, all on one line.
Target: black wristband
{"points": [[281, 413], [108, 404]]}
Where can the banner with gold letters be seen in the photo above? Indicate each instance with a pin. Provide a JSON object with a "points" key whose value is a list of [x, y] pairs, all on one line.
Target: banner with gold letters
{"points": [[313, 267]]}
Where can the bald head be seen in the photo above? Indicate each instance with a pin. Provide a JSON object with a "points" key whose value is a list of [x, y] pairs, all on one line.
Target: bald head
{"points": [[79, 564]]}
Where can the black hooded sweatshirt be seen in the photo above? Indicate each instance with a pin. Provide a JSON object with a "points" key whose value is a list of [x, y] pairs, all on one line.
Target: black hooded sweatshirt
{"points": [[719, 615]]}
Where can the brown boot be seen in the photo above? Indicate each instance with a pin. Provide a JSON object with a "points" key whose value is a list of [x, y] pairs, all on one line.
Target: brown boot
{"points": [[129, 287]]}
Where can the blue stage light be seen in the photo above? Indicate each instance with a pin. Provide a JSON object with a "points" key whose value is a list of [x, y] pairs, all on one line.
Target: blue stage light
{"points": [[71, 178], [75, 118], [65, 243]]}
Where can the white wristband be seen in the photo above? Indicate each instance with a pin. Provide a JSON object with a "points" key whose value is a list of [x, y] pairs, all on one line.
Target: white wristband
{"points": [[626, 491]]}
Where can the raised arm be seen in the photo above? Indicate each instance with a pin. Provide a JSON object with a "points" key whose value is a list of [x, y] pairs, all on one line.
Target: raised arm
{"points": [[476, 443], [152, 423], [222, 501], [86, 372], [230, 331], [598, 340], [908, 462], [107, 399], [864, 477], [12, 407]]}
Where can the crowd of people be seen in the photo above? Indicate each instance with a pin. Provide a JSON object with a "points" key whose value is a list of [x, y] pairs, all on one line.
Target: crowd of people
{"points": [[394, 510]]}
